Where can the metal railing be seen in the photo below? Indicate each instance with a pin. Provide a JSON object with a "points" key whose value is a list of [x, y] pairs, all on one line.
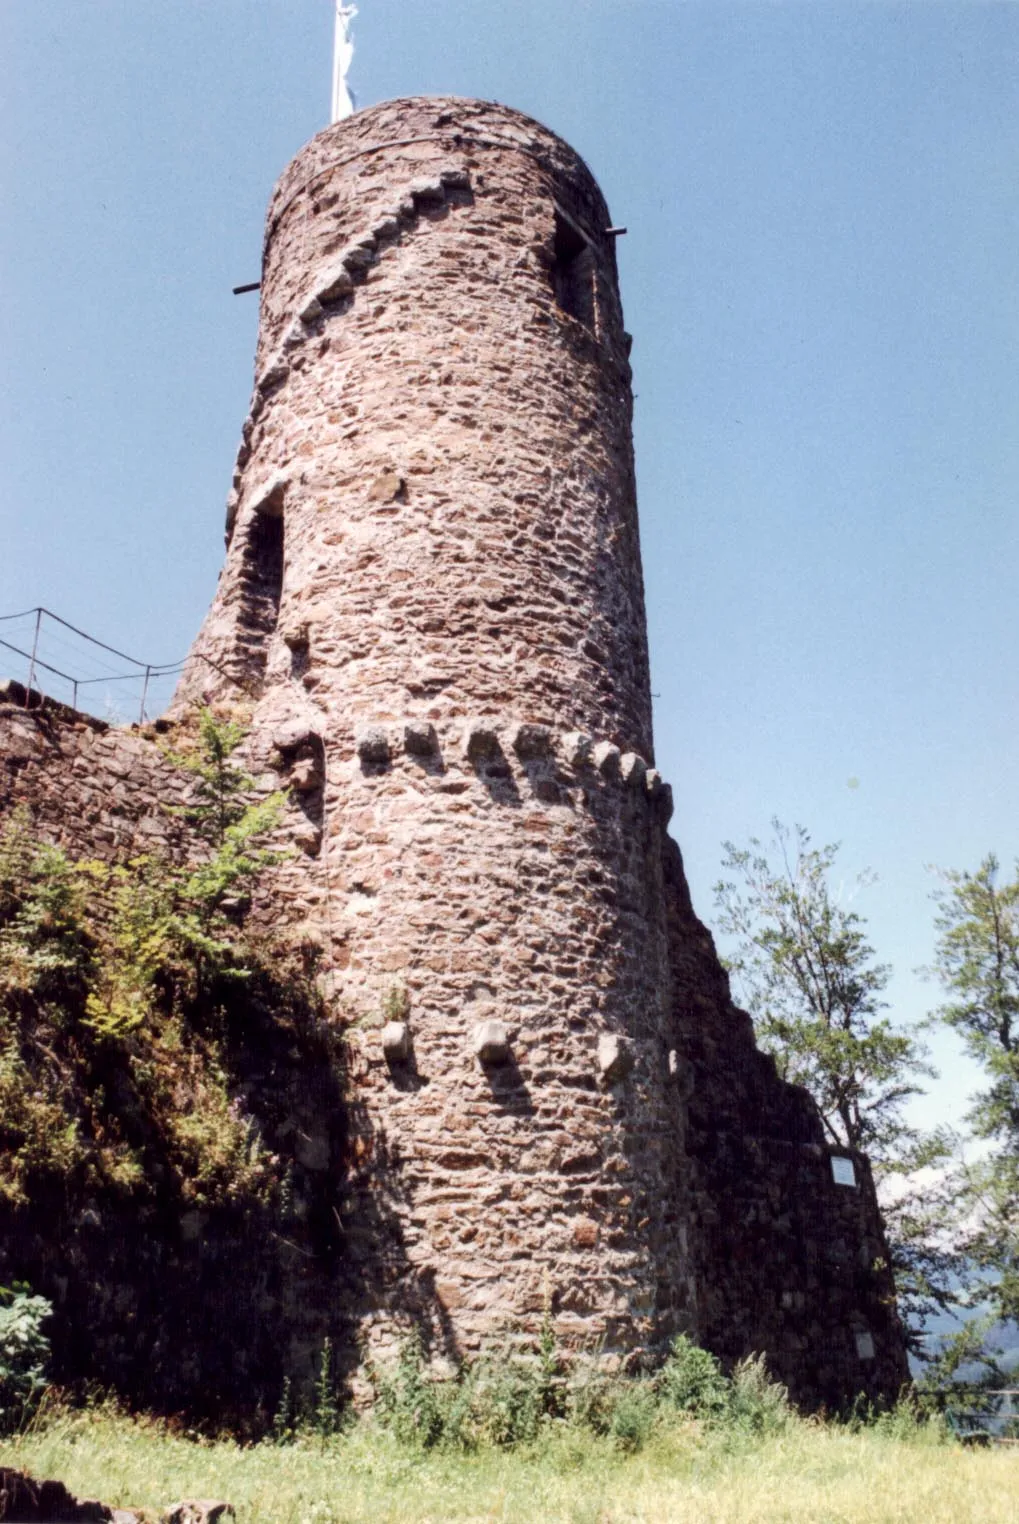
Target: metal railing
{"points": [[52, 645], [982, 1415]]}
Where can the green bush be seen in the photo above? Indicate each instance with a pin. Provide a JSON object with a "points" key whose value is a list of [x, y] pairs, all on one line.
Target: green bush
{"points": [[24, 1351], [757, 1405], [692, 1381], [509, 1397]]}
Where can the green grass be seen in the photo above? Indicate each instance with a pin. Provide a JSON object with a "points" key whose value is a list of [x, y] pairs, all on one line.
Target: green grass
{"points": [[808, 1473]]}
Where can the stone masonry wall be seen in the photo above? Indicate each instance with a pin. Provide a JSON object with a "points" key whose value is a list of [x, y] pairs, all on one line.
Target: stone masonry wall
{"points": [[432, 611], [786, 1258], [458, 681]]}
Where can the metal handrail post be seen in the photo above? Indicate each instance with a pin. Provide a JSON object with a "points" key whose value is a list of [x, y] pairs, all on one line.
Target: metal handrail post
{"points": [[145, 694], [31, 664]]}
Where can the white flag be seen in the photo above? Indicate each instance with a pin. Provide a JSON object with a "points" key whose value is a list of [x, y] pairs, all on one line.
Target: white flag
{"points": [[343, 54]]}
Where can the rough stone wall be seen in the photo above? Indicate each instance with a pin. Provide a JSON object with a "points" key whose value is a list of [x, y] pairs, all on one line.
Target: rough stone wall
{"points": [[93, 789], [458, 679], [432, 609], [785, 1258]]}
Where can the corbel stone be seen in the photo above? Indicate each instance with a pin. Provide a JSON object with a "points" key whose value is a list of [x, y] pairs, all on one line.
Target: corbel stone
{"points": [[576, 748], [615, 1057], [294, 734], [427, 188], [652, 783], [306, 775], [308, 837], [274, 374], [481, 741], [396, 1042], [373, 745], [267, 498], [336, 283], [359, 257], [632, 768], [296, 635], [419, 738], [387, 228], [606, 758], [532, 743], [491, 1042]]}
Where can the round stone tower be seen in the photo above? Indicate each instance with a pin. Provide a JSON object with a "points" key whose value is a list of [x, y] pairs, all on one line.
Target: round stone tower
{"points": [[433, 599]]}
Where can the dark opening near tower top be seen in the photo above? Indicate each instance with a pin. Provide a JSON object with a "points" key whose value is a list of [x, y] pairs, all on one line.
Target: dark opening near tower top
{"points": [[573, 271]]}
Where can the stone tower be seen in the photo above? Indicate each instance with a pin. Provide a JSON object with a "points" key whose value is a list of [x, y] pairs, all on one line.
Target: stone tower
{"points": [[433, 600]]}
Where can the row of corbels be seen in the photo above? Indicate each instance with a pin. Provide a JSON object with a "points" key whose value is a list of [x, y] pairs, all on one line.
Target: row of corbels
{"points": [[532, 744], [490, 1044], [335, 284]]}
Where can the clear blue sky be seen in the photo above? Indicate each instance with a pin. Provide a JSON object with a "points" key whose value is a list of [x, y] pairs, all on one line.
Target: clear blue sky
{"points": [[821, 279]]}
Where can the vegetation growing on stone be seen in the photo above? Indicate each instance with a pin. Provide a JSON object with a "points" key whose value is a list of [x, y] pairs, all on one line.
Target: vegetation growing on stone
{"points": [[133, 1008]]}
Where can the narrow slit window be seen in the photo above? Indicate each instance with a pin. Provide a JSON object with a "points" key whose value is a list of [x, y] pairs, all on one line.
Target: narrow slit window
{"points": [[261, 585], [573, 271]]}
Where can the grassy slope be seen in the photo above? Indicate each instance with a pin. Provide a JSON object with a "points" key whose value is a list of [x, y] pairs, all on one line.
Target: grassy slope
{"points": [[809, 1474]]}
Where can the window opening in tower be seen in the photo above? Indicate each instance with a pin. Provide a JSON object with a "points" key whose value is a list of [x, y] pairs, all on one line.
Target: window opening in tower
{"points": [[261, 577], [573, 271]]}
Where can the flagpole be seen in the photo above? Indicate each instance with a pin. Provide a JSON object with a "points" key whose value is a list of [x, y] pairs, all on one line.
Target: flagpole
{"points": [[343, 53]]}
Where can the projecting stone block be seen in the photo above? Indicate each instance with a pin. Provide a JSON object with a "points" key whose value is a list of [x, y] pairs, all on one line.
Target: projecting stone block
{"points": [[663, 803], [308, 837], [427, 189], [419, 739], [576, 748], [491, 1042], [306, 775], [632, 769], [615, 1057], [606, 758], [335, 284], [652, 783], [481, 741], [359, 257], [274, 374], [311, 310], [295, 734], [267, 498], [387, 487], [455, 179], [532, 743], [295, 636], [373, 746], [396, 1042]]}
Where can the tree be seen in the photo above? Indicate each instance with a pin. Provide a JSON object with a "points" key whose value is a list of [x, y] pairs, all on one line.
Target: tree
{"points": [[977, 961], [811, 981]]}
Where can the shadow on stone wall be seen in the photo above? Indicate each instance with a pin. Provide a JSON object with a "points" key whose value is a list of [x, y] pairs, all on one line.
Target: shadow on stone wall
{"points": [[203, 1309]]}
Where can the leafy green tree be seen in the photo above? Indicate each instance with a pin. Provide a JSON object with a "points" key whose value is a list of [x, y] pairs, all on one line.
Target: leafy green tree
{"points": [[810, 979], [803, 966], [977, 961], [220, 786]]}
